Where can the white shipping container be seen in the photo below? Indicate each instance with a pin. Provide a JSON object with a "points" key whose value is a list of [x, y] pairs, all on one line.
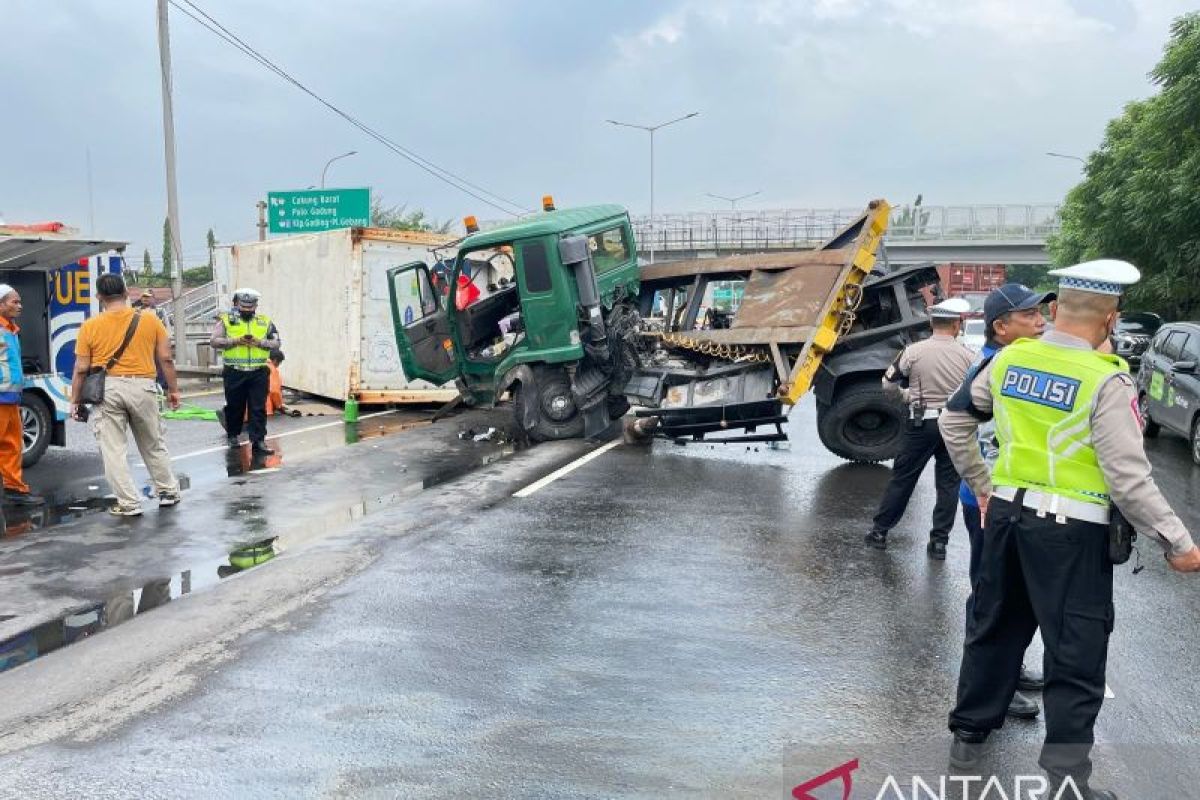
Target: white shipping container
{"points": [[328, 295]]}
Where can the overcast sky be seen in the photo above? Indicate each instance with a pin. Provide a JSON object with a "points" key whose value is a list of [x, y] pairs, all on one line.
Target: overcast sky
{"points": [[824, 103]]}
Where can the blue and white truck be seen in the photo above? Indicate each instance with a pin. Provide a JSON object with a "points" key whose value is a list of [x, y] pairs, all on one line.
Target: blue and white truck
{"points": [[55, 275]]}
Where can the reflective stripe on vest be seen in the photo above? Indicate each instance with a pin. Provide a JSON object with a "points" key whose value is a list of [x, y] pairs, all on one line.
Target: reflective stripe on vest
{"points": [[246, 356], [1042, 397]]}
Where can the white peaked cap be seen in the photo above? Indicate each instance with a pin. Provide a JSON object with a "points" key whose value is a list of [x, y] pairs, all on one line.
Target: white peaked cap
{"points": [[953, 308], [248, 294], [1104, 276]]}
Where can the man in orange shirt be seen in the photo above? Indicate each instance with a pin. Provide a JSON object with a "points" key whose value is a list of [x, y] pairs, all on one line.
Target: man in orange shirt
{"points": [[130, 394], [12, 382]]}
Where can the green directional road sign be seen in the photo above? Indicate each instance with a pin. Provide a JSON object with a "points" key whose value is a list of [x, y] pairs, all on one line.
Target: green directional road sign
{"points": [[318, 210]]}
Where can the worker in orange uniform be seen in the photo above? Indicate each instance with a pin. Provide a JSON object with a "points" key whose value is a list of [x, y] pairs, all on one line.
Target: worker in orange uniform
{"points": [[12, 382], [275, 384]]}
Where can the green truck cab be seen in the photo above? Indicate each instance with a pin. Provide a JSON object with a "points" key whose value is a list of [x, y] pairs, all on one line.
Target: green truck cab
{"points": [[544, 308]]}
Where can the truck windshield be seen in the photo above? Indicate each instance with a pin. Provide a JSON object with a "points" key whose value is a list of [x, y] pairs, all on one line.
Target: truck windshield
{"points": [[610, 248]]}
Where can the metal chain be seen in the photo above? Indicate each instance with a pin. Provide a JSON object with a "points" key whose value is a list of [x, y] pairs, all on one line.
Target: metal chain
{"points": [[728, 352]]}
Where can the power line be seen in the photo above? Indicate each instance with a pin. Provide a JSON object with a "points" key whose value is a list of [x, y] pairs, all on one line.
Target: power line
{"points": [[442, 174]]}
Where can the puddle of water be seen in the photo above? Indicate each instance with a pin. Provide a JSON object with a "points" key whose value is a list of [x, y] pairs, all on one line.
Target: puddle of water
{"points": [[251, 517], [80, 623], [86, 496]]}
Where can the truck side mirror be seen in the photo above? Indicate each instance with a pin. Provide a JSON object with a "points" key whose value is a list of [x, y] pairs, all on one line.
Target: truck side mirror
{"points": [[1184, 367]]}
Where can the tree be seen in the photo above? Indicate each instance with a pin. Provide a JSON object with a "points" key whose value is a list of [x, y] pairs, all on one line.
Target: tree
{"points": [[394, 217], [1035, 276], [168, 258], [1139, 200], [147, 267], [910, 220], [212, 245]]}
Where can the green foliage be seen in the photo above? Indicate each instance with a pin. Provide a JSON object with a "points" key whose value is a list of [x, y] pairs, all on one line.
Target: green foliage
{"points": [[147, 267], [394, 217], [211, 240], [197, 276], [168, 257], [910, 219], [1032, 275], [1140, 198]]}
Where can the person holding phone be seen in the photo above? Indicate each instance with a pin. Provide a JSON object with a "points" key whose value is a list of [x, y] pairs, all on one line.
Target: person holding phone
{"points": [[246, 339]]}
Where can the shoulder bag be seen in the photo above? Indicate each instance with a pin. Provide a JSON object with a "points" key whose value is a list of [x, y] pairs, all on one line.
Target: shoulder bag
{"points": [[93, 382]]}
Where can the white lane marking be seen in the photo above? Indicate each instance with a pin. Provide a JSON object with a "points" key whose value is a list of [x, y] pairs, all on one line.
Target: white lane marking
{"points": [[279, 435], [561, 471], [1108, 692]]}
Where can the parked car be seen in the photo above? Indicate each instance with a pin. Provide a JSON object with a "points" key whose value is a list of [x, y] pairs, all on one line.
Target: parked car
{"points": [[1134, 331], [1168, 384]]}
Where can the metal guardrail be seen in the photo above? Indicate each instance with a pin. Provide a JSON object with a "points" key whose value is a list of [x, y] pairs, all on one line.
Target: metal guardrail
{"points": [[199, 304], [803, 228]]}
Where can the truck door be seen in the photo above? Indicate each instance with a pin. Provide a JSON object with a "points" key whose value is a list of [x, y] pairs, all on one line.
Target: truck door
{"points": [[421, 324]]}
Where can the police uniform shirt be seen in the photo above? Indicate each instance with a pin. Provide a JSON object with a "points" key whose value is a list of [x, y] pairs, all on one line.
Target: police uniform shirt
{"points": [[1116, 439], [934, 368]]}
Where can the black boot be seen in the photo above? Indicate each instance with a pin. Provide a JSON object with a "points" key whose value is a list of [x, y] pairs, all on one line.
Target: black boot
{"points": [[1030, 680], [260, 448], [233, 442], [967, 749], [876, 539], [936, 551], [1023, 707]]}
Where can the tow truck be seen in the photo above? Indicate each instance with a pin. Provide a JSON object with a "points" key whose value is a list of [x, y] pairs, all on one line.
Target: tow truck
{"points": [[577, 338]]}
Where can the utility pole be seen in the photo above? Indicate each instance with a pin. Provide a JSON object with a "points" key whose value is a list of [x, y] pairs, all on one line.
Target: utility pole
{"points": [[262, 220], [178, 318]]}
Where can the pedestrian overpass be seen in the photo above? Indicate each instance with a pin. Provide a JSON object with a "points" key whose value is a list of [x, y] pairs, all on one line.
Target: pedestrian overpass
{"points": [[975, 234]]}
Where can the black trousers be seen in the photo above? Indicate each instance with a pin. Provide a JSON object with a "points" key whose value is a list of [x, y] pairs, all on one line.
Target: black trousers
{"points": [[246, 389], [920, 445], [1035, 572]]}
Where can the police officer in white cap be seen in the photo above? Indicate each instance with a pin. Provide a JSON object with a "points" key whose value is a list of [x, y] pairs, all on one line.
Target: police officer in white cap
{"points": [[925, 374], [1070, 454], [246, 339]]}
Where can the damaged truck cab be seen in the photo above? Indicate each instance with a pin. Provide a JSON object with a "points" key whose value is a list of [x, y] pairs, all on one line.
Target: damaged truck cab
{"points": [[544, 308], [556, 309]]}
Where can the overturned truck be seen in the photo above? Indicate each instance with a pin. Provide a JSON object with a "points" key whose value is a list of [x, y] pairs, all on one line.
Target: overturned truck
{"points": [[555, 310]]}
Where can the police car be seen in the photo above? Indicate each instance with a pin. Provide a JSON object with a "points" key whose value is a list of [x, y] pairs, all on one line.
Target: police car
{"points": [[1169, 383]]}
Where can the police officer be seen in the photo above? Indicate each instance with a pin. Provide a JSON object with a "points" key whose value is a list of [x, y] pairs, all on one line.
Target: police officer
{"points": [[924, 375], [1010, 312], [1070, 451], [246, 339]]}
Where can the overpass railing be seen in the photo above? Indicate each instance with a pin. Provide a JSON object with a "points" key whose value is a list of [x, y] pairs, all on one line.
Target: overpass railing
{"points": [[801, 228]]}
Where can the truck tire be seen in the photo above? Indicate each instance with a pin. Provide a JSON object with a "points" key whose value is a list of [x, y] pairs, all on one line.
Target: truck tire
{"points": [[549, 403], [861, 424], [35, 428]]}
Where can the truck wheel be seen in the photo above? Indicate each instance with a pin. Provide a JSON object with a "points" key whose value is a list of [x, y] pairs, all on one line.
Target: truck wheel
{"points": [[35, 429], [861, 424], [551, 406], [1150, 428]]}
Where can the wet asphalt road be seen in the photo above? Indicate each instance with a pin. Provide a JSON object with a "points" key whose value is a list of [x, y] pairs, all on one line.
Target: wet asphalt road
{"points": [[667, 622]]}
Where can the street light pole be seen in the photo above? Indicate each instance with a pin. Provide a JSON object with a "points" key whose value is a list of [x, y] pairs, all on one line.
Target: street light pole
{"points": [[733, 201], [330, 161], [651, 129]]}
